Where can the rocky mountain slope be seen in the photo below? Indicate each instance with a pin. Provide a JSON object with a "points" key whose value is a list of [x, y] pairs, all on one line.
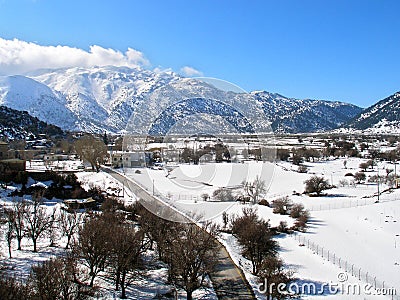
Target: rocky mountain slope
{"points": [[102, 99], [382, 117], [294, 115], [16, 124]]}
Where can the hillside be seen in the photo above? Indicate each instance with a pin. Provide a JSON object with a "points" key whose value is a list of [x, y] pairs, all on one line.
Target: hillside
{"points": [[19, 125], [382, 117]]}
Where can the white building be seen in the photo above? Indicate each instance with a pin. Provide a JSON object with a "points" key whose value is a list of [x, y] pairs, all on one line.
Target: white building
{"points": [[121, 159]]}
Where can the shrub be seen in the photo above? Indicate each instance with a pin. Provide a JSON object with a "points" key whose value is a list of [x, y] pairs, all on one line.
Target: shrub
{"points": [[223, 194], [302, 169], [301, 223], [283, 227], [282, 206], [297, 210], [359, 176], [316, 185], [364, 166], [263, 202], [205, 196]]}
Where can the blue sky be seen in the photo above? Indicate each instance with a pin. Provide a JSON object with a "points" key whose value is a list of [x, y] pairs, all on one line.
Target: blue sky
{"points": [[334, 50]]}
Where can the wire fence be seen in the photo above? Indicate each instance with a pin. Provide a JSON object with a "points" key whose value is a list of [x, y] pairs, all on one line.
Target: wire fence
{"points": [[184, 197], [355, 203], [348, 267]]}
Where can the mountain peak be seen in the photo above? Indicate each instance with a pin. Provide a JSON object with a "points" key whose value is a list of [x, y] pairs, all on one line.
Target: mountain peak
{"points": [[99, 99]]}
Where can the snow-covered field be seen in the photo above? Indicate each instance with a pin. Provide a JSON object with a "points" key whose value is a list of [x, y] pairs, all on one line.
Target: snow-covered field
{"points": [[346, 221]]}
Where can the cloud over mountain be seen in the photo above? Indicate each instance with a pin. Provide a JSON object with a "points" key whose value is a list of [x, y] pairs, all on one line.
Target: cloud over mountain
{"points": [[190, 71], [17, 57]]}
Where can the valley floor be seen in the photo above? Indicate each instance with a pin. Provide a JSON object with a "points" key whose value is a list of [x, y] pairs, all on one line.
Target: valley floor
{"points": [[361, 236]]}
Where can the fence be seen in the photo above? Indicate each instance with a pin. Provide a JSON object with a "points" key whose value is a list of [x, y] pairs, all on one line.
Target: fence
{"points": [[347, 266], [354, 203]]}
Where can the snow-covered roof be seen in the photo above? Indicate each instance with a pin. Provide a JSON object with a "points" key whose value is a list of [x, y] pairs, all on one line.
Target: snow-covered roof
{"points": [[39, 184]]}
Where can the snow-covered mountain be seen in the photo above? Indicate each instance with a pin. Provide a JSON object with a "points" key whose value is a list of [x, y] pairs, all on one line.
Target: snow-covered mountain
{"points": [[102, 99], [382, 117], [25, 94], [290, 115]]}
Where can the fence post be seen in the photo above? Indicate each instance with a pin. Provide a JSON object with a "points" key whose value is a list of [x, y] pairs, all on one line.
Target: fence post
{"points": [[352, 268], [366, 277], [328, 255], [359, 274], [340, 263], [375, 282]]}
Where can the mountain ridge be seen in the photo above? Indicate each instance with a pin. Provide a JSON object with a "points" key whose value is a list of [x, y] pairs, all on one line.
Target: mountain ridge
{"points": [[99, 99], [381, 117]]}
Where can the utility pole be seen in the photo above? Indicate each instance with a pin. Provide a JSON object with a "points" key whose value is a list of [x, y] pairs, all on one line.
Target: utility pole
{"points": [[377, 168]]}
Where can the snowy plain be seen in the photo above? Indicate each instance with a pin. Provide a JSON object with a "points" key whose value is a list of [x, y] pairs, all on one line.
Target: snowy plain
{"points": [[347, 221]]}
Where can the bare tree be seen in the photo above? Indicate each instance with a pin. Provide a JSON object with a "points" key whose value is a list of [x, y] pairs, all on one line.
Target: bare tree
{"points": [[69, 224], [192, 257], [359, 176], [53, 229], [225, 219], [93, 244], [255, 237], [10, 230], [19, 209], [282, 205], [36, 218], [12, 288], [297, 210], [272, 274], [364, 166], [92, 150], [254, 189], [223, 194], [316, 185], [128, 245], [58, 278], [157, 230], [205, 196]]}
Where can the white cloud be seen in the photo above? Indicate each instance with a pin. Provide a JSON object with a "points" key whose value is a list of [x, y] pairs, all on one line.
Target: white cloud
{"points": [[18, 57], [191, 72]]}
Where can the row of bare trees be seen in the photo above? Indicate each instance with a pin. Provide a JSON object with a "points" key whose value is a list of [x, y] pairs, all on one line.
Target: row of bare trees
{"points": [[32, 220], [256, 239], [109, 244], [188, 250]]}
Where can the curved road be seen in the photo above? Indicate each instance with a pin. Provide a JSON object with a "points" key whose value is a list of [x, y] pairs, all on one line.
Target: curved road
{"points": [[228, 280]]}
